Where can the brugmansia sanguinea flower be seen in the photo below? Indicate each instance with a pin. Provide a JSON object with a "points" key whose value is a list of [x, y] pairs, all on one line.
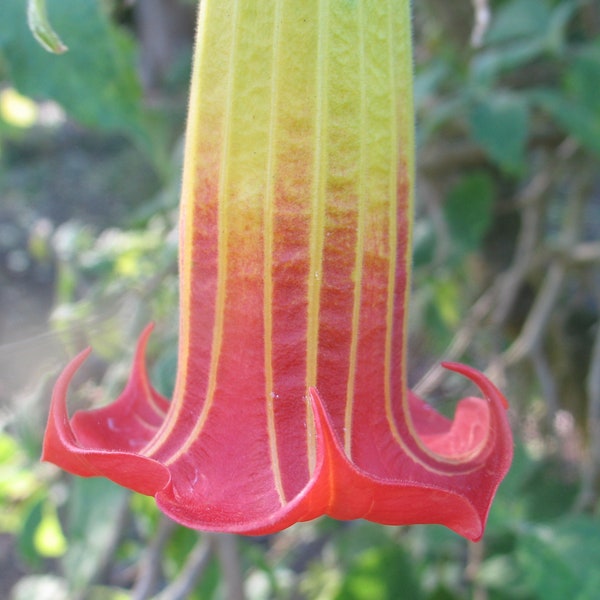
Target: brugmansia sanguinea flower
{"points": [[290, 399]]}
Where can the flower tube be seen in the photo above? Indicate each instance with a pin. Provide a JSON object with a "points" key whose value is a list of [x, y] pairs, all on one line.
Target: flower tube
{"points": [[291, 399]]}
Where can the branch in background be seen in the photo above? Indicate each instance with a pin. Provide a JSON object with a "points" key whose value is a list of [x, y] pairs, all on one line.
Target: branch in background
{"points": [[590, 489], [226, 547], [531, 201], [533, 255], [483, 16], [461, 341], [536, 323], [545, 375], [150, 563], [197, 561], [585, 253]]}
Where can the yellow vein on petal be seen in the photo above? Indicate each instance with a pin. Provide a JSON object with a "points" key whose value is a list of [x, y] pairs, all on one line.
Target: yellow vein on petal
{"points": [[360, 240], [406, 166], [268, 256], [188, 198], [317, 226], [393, 243], [217, 339], [144, 423]]}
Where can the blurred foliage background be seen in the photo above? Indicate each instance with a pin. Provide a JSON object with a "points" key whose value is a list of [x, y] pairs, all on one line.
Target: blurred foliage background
{"points": [[506, 277]]}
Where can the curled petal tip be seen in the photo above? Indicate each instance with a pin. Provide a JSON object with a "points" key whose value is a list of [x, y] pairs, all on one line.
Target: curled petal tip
{"points": [[480, 380], [69, 444]]}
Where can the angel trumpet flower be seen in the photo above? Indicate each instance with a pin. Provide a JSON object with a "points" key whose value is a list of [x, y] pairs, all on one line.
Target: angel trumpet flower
{"points": [[290, 399]]}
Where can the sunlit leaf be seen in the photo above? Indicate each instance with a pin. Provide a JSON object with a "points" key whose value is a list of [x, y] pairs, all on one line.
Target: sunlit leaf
{"points": [[39, 24], [49, 539], [96, 82], [381, 573]]}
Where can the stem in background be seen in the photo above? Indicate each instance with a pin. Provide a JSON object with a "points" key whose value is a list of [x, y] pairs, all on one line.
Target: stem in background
{"points": [[483, 16], [535, 326], [150, 563], [227, 550], [197, 561], [590, 489]]}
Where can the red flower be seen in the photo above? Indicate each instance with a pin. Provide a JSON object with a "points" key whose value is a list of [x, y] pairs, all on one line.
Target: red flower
{"points": [[291, 400]]}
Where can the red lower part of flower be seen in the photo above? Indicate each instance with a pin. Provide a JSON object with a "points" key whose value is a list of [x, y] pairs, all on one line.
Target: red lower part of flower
{"points": [[430, 469]]}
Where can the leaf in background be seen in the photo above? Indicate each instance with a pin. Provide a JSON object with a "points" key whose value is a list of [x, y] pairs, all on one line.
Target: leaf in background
{"points": [[96, 82], [510, 509], [26, 537], [380, 573], [490, 63], [577, 106], [520, 32], [468, 211], [94, 524], [558, 26], [424, 242], [562, 561], [500, 124], [576, 119], [17, 483], [519, 18], [48, 538], [582, 78], [41, 535], [429, 79], [41, 28], [548, 576], [515, 37]]}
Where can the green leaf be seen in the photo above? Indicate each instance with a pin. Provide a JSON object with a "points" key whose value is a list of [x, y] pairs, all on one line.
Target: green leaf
{"points": [[40, 535], [381, 573], [96, 82], [93, 526], [500, 123], [582, 79], [519, 18], [41, 28], [26, 538], [510, 505], [490, 63], [547, 574], [49, 539], [561, 561], [579, 121], [557, 31], [17, 482], [576, 107], [468, 211], [423, 239]]}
